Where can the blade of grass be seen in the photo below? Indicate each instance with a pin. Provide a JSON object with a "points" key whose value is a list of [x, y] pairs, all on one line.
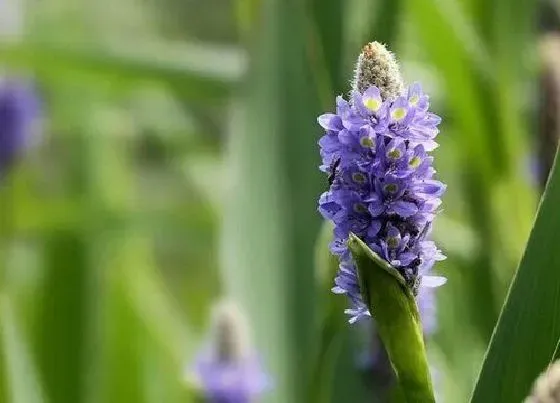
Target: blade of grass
{"points": [[196, 80], [136, 330], [332, 322], [60, 334], [386, 23], [269, 226], [529, 326], [21, 378], [327, 16]]}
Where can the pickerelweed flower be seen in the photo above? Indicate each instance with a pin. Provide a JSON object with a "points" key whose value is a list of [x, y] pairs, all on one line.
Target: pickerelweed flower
{"points": [[227, 370], [19, 110], [382, 188]]}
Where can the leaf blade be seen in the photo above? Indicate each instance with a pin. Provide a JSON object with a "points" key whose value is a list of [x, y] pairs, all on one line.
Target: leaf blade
{"points": [[531, 314]]}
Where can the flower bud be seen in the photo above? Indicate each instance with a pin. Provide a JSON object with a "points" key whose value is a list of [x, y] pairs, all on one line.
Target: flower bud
{"points": [[377, 67], [546, 388]]}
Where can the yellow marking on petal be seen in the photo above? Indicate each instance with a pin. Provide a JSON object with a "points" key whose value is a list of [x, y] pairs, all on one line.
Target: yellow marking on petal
{"points": [[360, 208], [414, 100], [398, 114], [392, 242], [367, 142], [359, 177], [391, 188], [372, 104], [394, 154], [415, 162]]}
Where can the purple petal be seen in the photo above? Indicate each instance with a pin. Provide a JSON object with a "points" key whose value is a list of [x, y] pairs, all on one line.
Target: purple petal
{"points": [[338, 290], [330, 121], [406, 258], [376, 209], [374, 228], [432, 281], [346, 137], [430, 187], [404, 209], [329, 143]]}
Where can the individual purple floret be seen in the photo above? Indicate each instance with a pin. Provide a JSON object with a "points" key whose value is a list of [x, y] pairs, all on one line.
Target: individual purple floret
{"points": [[227, 370], [19, 110], [382, 185]]}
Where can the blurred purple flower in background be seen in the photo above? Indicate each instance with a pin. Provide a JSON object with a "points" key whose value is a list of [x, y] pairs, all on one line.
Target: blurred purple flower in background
{"points": [[228, 370], [19, 116]]}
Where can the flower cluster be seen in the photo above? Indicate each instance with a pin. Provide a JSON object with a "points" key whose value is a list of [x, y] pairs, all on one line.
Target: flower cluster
{"points": [[19, 110], [227, 370], [382, 186]]}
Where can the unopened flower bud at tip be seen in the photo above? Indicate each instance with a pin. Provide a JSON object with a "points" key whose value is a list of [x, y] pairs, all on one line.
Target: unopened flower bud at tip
{"points": [[377, 67], [230, 332]]}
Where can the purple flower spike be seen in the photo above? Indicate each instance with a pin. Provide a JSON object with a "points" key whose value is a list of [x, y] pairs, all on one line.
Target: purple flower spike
{"points": [[19, 110], [382, 185], [227, 370]]}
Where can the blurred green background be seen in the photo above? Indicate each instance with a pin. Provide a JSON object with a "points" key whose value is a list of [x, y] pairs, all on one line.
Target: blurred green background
{"points": [[178, 163]]}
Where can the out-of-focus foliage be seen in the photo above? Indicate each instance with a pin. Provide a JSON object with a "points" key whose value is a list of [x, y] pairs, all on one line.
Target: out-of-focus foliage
{"points": [[178, 162], [536, 288]]}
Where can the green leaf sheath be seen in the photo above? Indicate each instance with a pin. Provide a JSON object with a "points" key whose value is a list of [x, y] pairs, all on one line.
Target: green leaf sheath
{"points": [[396, 315]]}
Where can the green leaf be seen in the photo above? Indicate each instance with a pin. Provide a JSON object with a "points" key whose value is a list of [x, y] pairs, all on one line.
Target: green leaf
{"points": [[21, 378], [198, 77], [328, 16], [386, 24], [396, 315], [268, 231], [528, 329], [332, 319], [484, 105], [61, 318]]}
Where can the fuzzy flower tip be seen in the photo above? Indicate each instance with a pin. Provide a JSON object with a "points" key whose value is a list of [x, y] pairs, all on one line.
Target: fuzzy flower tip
{"points": [[546, 388], [382, 186], [378, 67], [19, 112], [227, 370]]}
